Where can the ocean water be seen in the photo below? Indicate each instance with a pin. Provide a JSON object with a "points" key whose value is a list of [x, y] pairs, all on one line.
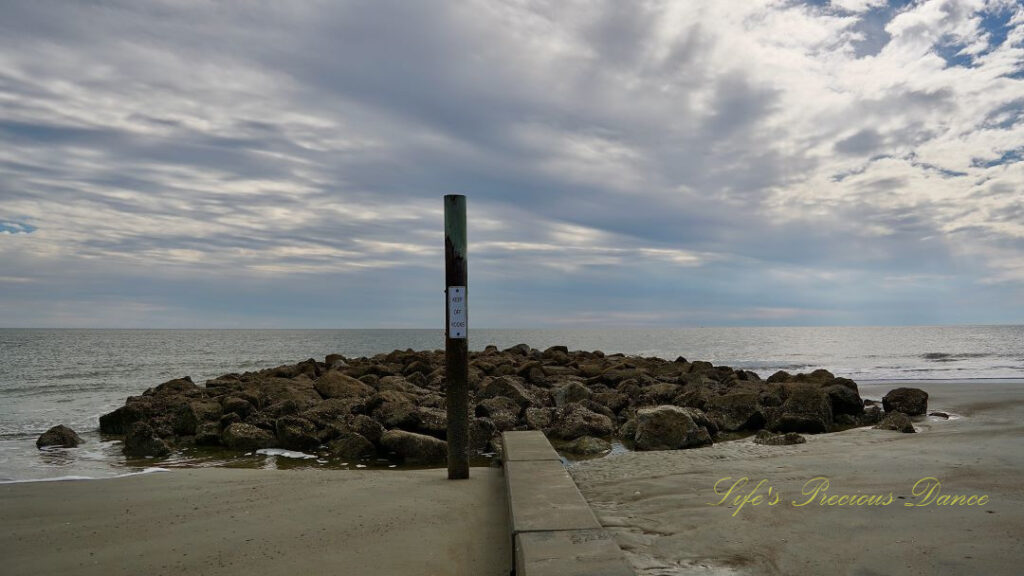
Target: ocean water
{"points": [[71, 377]]}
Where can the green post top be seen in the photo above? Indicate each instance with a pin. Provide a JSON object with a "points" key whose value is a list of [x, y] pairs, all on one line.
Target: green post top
{"points": [[455, 222]]}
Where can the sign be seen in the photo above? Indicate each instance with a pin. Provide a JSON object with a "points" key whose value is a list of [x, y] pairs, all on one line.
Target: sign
{"points": [[457, 325]]}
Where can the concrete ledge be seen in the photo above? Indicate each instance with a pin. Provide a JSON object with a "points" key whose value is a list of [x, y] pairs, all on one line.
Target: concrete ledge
{"points": [[569, 553], [542, 496], [527, 445], [554, 531]]}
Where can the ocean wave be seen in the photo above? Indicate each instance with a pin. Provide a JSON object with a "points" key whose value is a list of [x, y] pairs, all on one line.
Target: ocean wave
{"points": [[68, 478], [954, 356]]}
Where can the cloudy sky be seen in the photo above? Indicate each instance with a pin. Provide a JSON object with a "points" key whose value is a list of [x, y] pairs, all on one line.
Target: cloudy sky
{"points": [[282, 164]]}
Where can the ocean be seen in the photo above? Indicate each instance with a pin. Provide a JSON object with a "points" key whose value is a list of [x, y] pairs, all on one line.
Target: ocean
{"points": [[71, 377]]}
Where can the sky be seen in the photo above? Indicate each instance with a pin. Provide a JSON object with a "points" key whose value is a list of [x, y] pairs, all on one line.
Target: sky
{"points": [[283, 164]]}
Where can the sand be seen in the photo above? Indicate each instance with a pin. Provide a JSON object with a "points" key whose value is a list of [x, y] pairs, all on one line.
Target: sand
{"points": [[268, 522], [658, 504]]}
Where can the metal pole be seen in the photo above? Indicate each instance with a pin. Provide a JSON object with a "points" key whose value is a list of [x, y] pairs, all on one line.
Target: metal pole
{"points": [[456, 335]]}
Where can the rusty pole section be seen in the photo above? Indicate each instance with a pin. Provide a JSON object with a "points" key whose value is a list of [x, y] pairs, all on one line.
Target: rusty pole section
{"points": [[456, 336]]}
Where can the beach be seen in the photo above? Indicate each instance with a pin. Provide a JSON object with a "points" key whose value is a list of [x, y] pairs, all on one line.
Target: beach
{"points": [[658, 505], [945, 500], [219, 521]]}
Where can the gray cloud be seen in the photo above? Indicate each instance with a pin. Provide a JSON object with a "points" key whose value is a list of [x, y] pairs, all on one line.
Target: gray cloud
{"points": [[685, 163]]}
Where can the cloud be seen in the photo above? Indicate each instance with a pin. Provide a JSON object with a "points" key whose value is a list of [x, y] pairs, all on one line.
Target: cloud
{"points": [[283, 164]]}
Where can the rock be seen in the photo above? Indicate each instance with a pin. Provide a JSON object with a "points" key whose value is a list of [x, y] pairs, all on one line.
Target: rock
{"points": [[737, 411], [431, 421], [613, 400], [177, 387], [518, 349], [242, 436], [365, 426], [896, 421], [508, 387], [571, 392], [59, 435], [872, 415], [573, 421], [140, 441], [942, 415], [910, 401], [587, 445], [668, 427], [296, 433], [806, 409], [504, 412], [539, 418], [118, 421], [481, 430], [844, 400], [208, 434], [415, 448], [334, 384], [352, 446], [771, 439], [661, 393], [393, 409], [235, 405], [193, 414]]}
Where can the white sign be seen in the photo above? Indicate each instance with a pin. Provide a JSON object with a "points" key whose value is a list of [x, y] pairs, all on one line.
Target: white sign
{"points": [[457, 325]]}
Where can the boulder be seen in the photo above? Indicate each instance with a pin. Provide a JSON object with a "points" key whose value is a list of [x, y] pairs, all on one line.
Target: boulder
{"points": [[612, 399], [586, 445], [236, 405], [668, 427], [118, 421], [415, 448], [772, 439], [334, 384], [352, 446], [296, 433], [806, 409], [59, 435], [481, 430], [660, 393], [504, 412], [571, 392], [193, 414], [574, 421], [737, 411], [872, 415], [242, 436], [141, 440], [393, 409], [539, 418], [431, 421], [844, 400], [896, 421], [365, 426], [508, 387], [910, 401]]}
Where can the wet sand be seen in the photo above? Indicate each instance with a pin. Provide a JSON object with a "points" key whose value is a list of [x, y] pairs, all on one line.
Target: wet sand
{"points": [[218, 521], [658, 504]]}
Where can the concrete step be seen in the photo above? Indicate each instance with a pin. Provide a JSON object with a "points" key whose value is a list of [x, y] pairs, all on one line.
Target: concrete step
{"points": [[569, 553], [527, 445], [542, 496], [554, 531]]}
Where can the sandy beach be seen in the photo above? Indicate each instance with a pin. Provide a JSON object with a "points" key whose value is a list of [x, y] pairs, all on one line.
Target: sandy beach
{"points": [[218, 521], [658, 505]]}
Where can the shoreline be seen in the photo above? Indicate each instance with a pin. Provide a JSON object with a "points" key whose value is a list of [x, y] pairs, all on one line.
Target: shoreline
{"points": [[236, 522], [663, 510]]}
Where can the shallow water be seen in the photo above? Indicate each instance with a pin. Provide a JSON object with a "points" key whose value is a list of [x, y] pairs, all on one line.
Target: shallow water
{"points": [[71, 377]]}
